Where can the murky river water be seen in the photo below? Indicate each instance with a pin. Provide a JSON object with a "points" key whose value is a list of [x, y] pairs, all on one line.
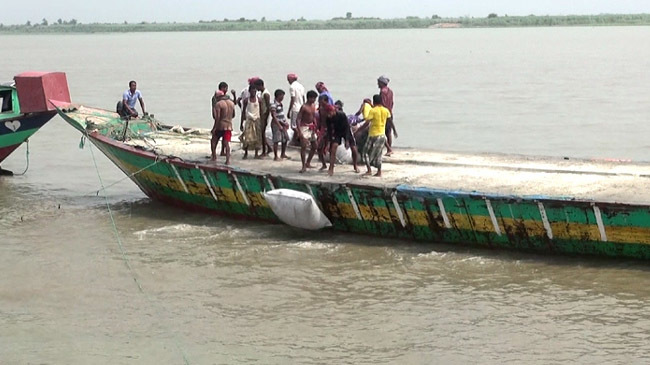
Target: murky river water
{"points": [[220, 291]]}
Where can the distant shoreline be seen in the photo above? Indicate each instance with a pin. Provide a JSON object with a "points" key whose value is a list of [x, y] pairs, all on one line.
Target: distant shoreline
{"points": [[491, 21]]}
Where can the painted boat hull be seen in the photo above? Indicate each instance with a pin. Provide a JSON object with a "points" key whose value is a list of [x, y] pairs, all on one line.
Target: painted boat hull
{"points": [[16, 131], [406, 213]]}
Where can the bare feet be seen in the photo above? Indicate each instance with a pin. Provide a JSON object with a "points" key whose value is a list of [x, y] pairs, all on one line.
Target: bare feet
{"points": [[285, 157], [303, 170], [356, 169], [368, 173], [245, 157], [330, 172], [322, 168], [378, 174], [276, 158], [309, 166]]}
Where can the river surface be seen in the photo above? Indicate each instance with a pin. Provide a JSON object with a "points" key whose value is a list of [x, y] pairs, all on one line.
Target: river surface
{"points": [[210, 290]]}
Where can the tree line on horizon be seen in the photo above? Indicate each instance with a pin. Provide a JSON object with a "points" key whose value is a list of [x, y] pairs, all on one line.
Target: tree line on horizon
{"points": [[347, 22]]}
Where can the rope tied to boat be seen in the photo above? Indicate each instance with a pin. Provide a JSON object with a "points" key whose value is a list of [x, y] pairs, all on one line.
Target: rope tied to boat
{"points": [[26, 159], [125, 258], [129, 176]]}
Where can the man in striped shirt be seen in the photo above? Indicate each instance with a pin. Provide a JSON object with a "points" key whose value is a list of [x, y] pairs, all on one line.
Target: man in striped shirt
{"points": [[279, 125]]}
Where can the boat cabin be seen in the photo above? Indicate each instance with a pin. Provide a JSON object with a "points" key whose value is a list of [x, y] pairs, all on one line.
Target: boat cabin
{"points": [[9, 106]]}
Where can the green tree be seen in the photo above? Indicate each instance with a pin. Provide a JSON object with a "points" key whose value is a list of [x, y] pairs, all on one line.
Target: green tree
{"points": [[348, 15], [59, 21], [73, 21], [492, 15], [44, 22], [263, 19], [29, 24]]}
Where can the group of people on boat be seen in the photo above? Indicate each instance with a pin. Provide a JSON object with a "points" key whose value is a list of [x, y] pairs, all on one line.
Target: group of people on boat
{"points": [[313, 121], [317, 123]]}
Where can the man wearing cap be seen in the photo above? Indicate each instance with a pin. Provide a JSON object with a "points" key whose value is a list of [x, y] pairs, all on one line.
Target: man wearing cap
{"points": [[222, 112], [387, 101]]}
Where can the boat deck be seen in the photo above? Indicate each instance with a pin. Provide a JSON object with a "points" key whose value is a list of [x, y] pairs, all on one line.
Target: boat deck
{"points": [[492, 174]]}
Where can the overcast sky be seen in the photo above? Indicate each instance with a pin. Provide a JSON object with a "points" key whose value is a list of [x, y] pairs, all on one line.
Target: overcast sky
{"points": [[115, 11]]}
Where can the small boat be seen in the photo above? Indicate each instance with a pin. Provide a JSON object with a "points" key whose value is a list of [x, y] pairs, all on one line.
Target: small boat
{"points": [[538, 204], [25, 107]]}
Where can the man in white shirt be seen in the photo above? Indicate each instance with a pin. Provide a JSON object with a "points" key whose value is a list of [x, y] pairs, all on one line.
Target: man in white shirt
{"points": [[129, 98], [297, 93]]}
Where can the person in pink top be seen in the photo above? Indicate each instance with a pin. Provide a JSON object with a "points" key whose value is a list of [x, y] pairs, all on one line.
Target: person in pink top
{"points": [[387, 101]]}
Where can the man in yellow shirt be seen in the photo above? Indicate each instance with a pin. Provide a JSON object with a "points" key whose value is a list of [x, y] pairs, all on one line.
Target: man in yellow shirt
{"points": [[374, 147]]}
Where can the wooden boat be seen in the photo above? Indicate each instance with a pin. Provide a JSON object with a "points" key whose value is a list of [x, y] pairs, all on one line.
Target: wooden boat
{"points": [[25, 109], [553, 205]]}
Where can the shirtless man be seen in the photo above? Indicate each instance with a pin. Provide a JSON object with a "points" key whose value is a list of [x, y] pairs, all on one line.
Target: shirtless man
{"points": [[321, 129], [223, 112], [265, 112], [223, 87], [306, 119]]}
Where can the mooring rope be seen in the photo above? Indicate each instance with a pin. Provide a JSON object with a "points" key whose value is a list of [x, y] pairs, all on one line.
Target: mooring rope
{"points": [[123, 252], [104, 188], [26, 158]]}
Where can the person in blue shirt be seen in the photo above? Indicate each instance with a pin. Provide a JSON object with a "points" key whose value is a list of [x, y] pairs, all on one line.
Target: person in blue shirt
{"points": [[126, 107], [322, 90]]}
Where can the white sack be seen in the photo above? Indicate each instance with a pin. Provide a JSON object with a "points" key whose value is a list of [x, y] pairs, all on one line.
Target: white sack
{"points": [[296, 209]]}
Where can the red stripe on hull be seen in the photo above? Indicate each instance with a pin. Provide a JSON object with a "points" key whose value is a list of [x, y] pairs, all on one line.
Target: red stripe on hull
{"points": [[6, 151], [27, 122]]}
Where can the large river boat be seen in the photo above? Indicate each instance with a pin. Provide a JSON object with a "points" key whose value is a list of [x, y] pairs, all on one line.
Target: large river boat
{"points": [[539, 204]]}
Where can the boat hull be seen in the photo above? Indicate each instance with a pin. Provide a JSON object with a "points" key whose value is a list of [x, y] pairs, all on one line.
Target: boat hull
{"points": [[16, 131], [404, 212]]}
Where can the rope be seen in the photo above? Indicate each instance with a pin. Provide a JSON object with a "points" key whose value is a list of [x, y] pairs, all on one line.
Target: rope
{"points": [[123, 252], [104, 188], [26, 158]]}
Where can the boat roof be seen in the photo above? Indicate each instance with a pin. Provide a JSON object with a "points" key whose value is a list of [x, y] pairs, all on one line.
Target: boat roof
{"points": [[484, 173]]}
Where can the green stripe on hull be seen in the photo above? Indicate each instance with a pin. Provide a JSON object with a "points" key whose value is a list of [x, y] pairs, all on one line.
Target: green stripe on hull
{"points": [[11, 139], [566, 227]]}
